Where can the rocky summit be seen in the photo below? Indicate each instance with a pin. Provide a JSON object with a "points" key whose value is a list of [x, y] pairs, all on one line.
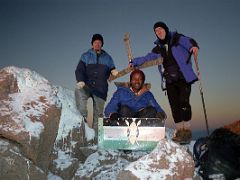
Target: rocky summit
{"points": [[43, 136]]}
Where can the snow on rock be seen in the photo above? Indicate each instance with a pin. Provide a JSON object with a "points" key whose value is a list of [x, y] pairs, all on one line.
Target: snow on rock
{"points": [[14, 165], [29, 113], [167, 161], [42, 118], [51, 176], [65, 165], [70, 116], [72, 135], [48, 115], [35, 95], [105, 164]]}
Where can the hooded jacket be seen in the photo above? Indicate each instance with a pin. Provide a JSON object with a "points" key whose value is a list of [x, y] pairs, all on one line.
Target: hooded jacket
{"points": [[94, 70], [180, 46], [125, 96]]}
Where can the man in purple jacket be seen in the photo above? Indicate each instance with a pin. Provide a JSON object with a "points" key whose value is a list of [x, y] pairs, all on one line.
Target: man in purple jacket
{"points": [[176, 73], [134, 100]]}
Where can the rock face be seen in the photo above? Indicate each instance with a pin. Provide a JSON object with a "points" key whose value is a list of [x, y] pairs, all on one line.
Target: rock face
{"points": [[73, 135], [43, 136], [8, 84], [40, 127], [234, 127], [37, 149], [167, 161], [13, 165], [29, 115], [105, 164]]}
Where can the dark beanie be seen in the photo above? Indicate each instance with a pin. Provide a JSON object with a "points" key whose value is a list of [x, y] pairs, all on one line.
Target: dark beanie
{"points": [[137, 71], [97, 37], [162, 25]]}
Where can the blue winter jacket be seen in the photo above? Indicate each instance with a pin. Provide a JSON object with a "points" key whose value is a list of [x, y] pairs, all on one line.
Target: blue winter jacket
{"points": [[180, 46], [125, 96], [95, 71]]}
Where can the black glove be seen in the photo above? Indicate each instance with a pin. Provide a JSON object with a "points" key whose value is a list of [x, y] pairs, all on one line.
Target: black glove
{"points": [[161, 115], [114, 119], [114, 116]]}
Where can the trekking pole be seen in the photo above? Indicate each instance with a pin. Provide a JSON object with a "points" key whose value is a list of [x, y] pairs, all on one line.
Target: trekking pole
{"points": [[201, 92]]}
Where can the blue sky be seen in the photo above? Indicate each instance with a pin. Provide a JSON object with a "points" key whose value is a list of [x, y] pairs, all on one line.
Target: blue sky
{"points": [[50, 36]]}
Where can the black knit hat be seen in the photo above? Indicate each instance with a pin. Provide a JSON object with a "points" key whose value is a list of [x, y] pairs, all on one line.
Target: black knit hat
{"points": [[162, 25], [97, 37], [139, 72]]}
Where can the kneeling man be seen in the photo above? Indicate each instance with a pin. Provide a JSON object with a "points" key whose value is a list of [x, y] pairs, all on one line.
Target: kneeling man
{"points": [[134, 100]]}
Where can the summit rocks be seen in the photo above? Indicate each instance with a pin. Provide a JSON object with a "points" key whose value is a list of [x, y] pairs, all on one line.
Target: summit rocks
{"points": [[43, 136], [30, 118]]}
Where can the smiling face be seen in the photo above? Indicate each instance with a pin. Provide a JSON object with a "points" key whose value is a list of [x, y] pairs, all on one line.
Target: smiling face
{"points": [[137, 81], [160, 32]]}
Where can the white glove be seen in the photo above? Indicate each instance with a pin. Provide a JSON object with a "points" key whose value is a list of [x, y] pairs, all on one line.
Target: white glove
{"points": [[80, 84], [114, 72]]}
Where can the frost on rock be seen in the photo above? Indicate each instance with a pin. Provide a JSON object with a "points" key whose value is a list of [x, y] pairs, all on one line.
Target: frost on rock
{"points": [[161, 163], [35, 96], [53, 177], [26, 107], [70, 116], [64, 160], [102, 165]]}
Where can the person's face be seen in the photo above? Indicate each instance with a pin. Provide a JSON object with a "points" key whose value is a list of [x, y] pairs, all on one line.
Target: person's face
{"points": [[160, 32], [97, 45], [136, 82]]}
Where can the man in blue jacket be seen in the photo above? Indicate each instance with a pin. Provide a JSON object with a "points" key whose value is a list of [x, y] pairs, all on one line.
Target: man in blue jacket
{"points": [[92, 73], [134, 100], [176, 73]]}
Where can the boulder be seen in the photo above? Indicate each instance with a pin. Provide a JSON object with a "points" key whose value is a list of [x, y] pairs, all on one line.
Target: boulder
{"points": [[14, 166], [72, 139], [167, 161], [29, 114], [234, 127]]}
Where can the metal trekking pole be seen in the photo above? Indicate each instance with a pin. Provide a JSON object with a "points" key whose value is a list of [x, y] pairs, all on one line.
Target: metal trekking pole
{"points": [[201, 92]]}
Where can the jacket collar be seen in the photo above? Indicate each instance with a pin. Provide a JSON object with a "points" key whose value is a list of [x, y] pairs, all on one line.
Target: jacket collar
{"points": [[126, 85], [93, 52]]}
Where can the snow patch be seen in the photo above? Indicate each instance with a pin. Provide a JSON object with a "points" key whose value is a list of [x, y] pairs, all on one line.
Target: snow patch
{"points": [[29, 104], [70, 116], [64, 160], [140, 169], [53, 177], [95, 165], [32, 100]]}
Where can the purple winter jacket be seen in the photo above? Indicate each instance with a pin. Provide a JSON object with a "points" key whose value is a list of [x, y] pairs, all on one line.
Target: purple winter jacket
{"points": [[181, 52]]}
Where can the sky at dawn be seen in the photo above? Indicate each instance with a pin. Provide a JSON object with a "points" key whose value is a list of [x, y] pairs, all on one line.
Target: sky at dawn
{"points": [[50, 36]]}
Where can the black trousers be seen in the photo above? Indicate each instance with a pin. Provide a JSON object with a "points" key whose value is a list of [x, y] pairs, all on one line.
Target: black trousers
{"points": [[179, 96], [148, 112]]}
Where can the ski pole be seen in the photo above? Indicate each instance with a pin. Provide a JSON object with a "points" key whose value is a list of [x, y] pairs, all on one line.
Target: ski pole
{"points": [[201, 92]]}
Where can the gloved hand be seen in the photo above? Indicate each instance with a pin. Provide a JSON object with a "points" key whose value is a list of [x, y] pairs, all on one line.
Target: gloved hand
{"points": [[161, 115], [130, 65], [114, 116], [80, 84], [114, 119], [114, 72]]}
